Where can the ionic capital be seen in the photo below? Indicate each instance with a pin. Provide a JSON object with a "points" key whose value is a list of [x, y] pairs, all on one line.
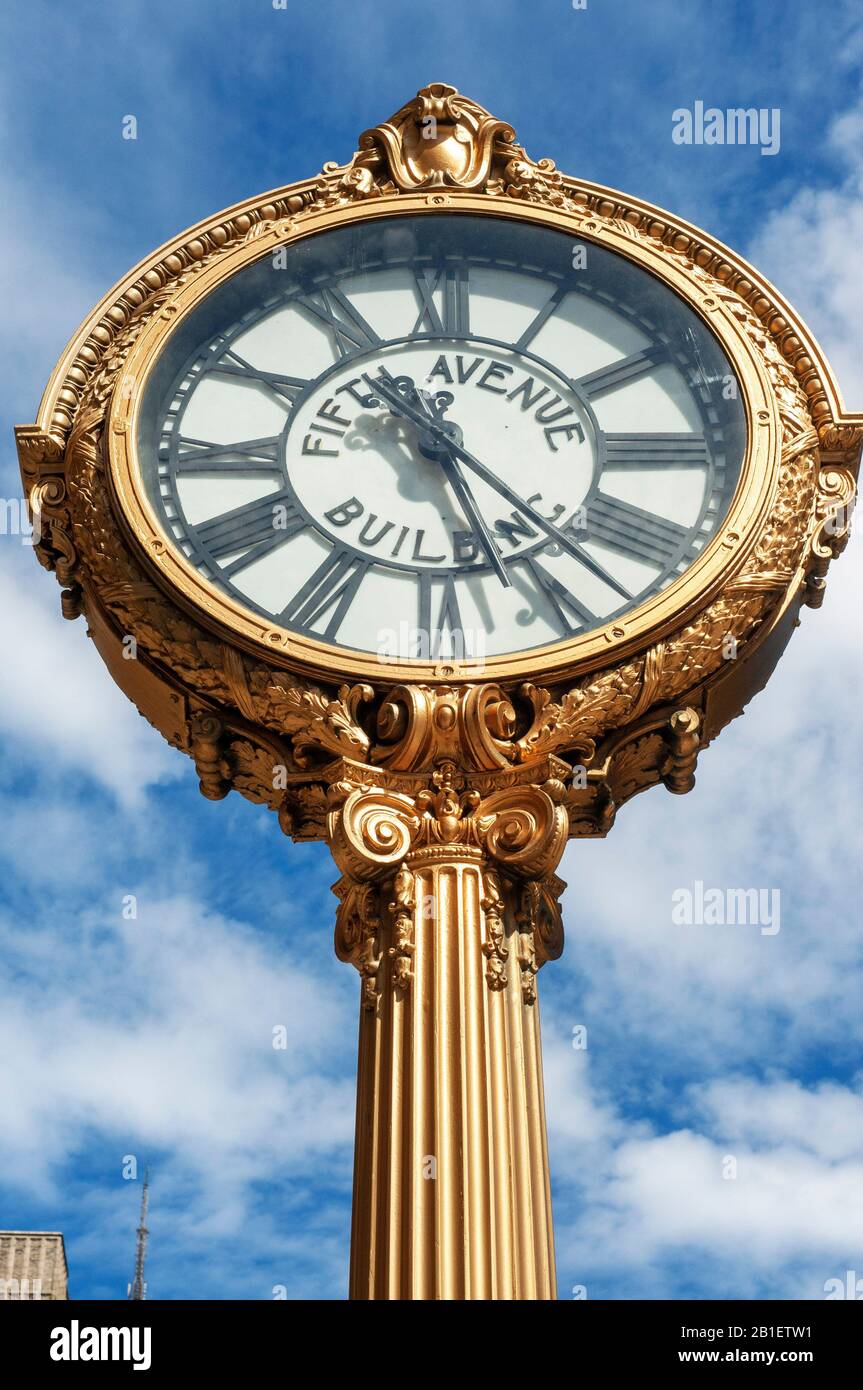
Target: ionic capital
{"points": [[392, 847]]}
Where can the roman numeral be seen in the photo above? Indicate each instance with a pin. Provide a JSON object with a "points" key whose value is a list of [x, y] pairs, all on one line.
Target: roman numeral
{"points": [[560, 598], [256, 528], [250, 458], [632, 451], [625, 369], [283, 389], [643, 535], [455, 321], [542, 317], [333, 585], [350, 331], [448, 615]]}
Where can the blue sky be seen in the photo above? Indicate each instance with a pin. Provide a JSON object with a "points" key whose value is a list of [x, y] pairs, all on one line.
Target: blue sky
{"points": [[152, 1037]]}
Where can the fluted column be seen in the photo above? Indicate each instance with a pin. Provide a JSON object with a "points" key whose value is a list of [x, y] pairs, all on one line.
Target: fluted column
{"points": [[451, 1183]]}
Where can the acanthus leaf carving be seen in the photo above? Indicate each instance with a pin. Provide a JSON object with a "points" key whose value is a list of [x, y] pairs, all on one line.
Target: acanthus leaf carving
{"points": [[540, 929], [357, 935], [438, 141], [319, 724], [513, 836], [494, 946], [834, 508], [402, 908]]}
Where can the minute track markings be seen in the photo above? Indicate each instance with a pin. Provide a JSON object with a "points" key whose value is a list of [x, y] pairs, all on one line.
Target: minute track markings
{"points": [[283, 389], [677, 450], [435, 286], [336, 581], [201, 456], [255, 528], [258, 458], [635, 532], [351, 333]]}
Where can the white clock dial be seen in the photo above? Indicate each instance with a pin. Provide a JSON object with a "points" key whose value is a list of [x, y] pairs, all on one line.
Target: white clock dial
{"points": [[442, 436]]}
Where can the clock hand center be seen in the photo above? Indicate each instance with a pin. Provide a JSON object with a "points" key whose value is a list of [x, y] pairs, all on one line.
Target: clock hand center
{"points": [[406, 398], [430, 446], [436, 439], [567, 542]]}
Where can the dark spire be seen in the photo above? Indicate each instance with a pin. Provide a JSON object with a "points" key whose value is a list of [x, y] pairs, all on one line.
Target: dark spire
{"points": [[138, 1288]]}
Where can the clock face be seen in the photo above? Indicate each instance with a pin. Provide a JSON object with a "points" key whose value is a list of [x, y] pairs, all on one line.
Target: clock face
{"points": [[441, 436]]}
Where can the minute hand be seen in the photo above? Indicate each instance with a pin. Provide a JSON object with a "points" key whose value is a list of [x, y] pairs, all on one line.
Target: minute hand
{"points": [[466, 498], [571, 546]]}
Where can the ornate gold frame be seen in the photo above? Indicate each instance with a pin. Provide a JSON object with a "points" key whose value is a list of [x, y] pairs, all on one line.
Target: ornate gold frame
{"points": [[200, 655], [723, 558]]}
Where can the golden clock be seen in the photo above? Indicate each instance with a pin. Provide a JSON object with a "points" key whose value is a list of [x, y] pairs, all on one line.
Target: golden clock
{"points": [[449, 501]]}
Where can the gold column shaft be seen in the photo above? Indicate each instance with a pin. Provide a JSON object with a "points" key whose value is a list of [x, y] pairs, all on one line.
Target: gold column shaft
{"points": [[451, 1186]]}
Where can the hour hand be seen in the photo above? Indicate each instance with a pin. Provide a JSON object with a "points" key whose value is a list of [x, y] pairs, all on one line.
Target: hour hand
{"points": [[399, 393], [454, 476], [460, 486], [404, 399]]}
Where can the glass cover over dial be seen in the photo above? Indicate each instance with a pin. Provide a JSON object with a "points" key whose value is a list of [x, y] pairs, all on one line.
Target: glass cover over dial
{"points": [[441, 436]]}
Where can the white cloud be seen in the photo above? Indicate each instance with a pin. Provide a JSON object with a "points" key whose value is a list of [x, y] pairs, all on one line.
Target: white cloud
{"points": [[782, 1220], [811, 249], [59, 709], [825, 1120], [784, 1203], [777, 798], [158, 1033], [777, 804]]}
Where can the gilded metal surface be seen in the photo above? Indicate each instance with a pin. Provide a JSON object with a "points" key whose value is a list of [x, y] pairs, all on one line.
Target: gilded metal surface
{"points": [[765, 469], [447, 791], [451, 1181], [787, 522]]}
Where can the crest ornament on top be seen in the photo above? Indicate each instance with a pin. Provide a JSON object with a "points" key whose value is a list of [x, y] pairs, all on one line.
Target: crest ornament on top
{"points": [[439, 140]]}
